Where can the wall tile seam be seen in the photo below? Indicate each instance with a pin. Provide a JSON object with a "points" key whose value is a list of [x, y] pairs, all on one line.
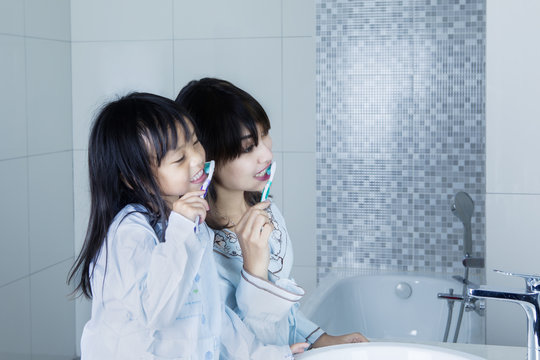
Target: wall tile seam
{"points": [[30, 274]]}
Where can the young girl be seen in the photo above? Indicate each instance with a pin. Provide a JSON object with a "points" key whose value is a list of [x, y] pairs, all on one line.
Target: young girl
{"points": [[233, 128], [151, 280]]}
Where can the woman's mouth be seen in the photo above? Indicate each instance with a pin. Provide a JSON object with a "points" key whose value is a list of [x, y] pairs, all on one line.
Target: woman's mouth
{"points": [[262, 175], [199, 177]]}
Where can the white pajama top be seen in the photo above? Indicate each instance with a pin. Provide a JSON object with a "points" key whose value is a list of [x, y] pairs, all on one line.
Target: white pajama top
{"points": [[160, 300]]}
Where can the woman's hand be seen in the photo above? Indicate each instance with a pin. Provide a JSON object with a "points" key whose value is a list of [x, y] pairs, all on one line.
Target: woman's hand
{"points": [[253, 231], [299, 348], [191, 205], [327, 340]]}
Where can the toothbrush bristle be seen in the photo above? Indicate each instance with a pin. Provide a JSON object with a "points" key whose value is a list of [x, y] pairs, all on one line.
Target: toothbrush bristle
{"points": [[209, 166]]}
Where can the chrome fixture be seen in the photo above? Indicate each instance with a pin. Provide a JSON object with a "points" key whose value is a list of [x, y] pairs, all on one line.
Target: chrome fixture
{"points": [[529, 301], [463, 208]]}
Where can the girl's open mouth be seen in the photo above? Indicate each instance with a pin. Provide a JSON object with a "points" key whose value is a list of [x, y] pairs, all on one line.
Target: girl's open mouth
{"points": [[199, 177]]}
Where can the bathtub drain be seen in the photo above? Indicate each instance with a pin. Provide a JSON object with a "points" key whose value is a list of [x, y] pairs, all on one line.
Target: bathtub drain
{"points": [[403, 290]]}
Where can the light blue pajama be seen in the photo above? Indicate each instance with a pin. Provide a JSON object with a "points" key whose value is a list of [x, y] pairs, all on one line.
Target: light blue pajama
{"points": [[160, 300], [271, 311]]}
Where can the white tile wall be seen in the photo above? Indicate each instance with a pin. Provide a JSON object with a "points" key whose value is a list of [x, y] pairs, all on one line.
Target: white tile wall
{"points": [[277, 184], [513, 170], [12, 89], [299, 122], [83, 312], [298, 18], [305, 277], [51, 209], [49, 96], [101, 71], [81, 197], [299, 206], [254, 65], [226, 19], [14, 262], [15, 318], [103, 20], [49, 19], [513, 231], [512, 109], [52, 311], [37, 190], [12, 17], [513, 234]]}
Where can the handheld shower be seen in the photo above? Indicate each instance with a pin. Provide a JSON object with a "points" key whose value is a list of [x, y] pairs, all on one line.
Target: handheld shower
{"points": [[463, 208]]}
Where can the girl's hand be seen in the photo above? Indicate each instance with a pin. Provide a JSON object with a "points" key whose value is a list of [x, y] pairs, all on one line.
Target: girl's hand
{"points": [[299, 348], [253, 231], [327, 340], [191, 205]]}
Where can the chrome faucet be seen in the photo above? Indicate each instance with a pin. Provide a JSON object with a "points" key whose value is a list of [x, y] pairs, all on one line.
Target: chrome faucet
{"points": [[529, 301]]}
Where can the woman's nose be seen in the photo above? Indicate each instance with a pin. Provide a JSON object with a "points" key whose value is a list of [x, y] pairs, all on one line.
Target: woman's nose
{"points": [[265, 153]]}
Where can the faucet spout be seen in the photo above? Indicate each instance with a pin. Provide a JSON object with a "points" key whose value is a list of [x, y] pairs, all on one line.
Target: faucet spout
{"points": [[529, 301]]}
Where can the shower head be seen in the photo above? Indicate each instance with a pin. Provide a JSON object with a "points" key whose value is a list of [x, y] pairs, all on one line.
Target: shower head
{"points": [[463, 209]]}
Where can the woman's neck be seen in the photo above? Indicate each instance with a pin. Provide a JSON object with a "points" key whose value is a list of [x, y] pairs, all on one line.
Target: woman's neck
{"points": [[229, 207]]}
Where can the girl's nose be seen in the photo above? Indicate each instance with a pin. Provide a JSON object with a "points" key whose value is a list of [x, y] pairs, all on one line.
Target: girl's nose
{"points": [[196, 160]]}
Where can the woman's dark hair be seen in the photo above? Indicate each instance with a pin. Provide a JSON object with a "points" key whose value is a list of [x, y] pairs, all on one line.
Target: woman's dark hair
{"points": [[222, 112], [129, 138]]}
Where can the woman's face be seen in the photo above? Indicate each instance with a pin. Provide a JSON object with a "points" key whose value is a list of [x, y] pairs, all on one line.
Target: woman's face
{"points": [[248, 171], [181, 169]]}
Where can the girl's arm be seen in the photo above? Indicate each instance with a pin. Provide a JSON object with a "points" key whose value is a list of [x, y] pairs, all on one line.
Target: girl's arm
{"points": [[155, 278]]}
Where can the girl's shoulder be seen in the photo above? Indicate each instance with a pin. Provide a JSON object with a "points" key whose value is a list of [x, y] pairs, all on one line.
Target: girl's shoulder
{"points": [[132, 218], [133, 213]]}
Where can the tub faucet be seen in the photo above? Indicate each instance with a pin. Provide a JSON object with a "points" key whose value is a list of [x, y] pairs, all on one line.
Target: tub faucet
{"points": [[529, 301]]}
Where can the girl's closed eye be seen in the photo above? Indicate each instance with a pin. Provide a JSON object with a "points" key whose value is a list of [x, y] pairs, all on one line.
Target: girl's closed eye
{"points": [[180, 159]]}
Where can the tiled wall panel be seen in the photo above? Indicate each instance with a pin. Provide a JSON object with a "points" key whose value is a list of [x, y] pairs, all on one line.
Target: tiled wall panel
{"points": [[401, 130]]}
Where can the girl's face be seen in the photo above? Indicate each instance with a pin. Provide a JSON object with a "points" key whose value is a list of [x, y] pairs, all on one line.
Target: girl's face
{"points": [[182, 169], [248, 171]]}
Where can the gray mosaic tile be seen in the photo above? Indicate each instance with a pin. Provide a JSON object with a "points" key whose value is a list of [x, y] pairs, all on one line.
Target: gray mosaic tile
{"points": [[401, 129]]}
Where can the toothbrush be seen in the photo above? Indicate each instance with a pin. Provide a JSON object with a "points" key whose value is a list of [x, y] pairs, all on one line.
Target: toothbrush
{"points": [[209, 169], [271, 170]]}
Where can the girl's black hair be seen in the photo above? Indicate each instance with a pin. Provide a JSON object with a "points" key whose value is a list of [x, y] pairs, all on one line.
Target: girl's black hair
{"points": [[222, 112], [129, 138]]}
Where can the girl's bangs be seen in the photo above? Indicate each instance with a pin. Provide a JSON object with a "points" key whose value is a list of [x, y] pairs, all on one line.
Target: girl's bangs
{"points": [[165, 132]]}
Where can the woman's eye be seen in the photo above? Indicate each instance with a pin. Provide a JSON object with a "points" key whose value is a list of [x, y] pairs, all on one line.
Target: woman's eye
{"points": [[249, 148]]}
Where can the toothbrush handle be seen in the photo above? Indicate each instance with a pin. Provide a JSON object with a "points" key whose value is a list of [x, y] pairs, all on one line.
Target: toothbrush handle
{"points": [[265, 191]]}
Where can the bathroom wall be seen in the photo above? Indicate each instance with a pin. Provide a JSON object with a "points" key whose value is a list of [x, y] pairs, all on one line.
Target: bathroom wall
{"points": [[36, 151], [61, 60], [401, 130], [513, 169], [265, 47]]}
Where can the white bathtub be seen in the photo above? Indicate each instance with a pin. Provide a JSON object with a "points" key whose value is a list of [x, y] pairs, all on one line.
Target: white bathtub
{"points": [[372, 305]]}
